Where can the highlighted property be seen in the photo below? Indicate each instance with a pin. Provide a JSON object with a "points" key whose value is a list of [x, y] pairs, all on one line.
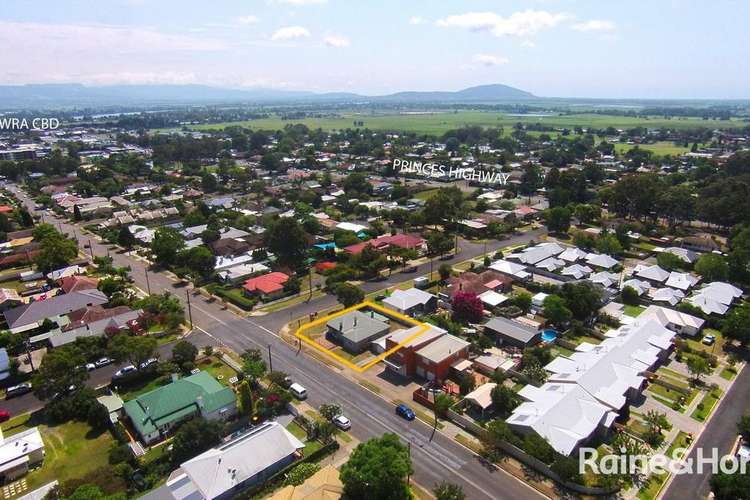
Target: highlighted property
{"points": [[304, 333]]}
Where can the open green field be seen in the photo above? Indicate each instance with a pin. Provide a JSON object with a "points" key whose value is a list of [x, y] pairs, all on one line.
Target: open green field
{"points": [[439, 122], [660, 148]]}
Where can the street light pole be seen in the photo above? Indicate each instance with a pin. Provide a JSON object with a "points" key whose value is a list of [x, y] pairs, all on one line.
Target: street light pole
{"points": [[148, 285], [91, 250], [270, 359]]}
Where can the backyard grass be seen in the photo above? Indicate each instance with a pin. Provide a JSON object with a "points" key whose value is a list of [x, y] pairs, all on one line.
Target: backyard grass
{"points": [[72, 449], [707, 405], [426, 195], [660, 148], [633, 311], [277, 306]]}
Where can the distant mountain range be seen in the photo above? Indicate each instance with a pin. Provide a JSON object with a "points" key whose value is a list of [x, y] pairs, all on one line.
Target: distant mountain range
{"points": [[64, 95]]}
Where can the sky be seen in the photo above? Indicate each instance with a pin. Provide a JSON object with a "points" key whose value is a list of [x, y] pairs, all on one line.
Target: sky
{"points": [[553, 48]]}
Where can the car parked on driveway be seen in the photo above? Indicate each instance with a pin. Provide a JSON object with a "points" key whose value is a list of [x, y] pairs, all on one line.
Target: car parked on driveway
{"points": [[405, 412], [709, 339]]}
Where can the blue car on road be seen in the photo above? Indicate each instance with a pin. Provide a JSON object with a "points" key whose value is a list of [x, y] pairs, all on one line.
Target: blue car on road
{"points": [[404, 411]]}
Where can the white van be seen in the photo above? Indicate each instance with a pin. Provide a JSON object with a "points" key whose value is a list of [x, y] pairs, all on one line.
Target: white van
{"points": [[298, 391]]}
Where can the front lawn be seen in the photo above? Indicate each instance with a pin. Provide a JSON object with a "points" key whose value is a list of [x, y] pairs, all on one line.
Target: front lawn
{"points": [[217, 368], [717, 346], [728, 373], [633, 311], [707, 405]]}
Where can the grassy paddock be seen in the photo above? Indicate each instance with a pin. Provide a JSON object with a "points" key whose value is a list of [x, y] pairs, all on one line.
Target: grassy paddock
{"points": [[440, 122]]}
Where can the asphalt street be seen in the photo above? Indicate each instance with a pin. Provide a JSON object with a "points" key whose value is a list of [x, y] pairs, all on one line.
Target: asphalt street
{"points": [[434, 460]]}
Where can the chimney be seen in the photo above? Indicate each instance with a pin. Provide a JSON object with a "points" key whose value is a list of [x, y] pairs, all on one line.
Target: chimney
{"points": [[355, 321]]}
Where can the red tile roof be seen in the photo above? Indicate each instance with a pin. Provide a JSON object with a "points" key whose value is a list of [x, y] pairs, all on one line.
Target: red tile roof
{"points": [[76, 283], [268, 283], [379, 243], [5, 209]]}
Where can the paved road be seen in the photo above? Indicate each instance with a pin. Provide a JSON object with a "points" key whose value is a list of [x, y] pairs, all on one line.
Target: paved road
{"points": [[469, 250], [721, 433], [434, 461]]}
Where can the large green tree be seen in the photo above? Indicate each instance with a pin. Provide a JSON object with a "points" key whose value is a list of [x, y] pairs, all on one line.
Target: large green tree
{"points": [[194, 437], [166, 245], [61, 369], [377, 470], [135, 349], [288, 241]]}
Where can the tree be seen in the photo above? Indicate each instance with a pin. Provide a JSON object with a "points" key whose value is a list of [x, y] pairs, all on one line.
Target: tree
{"points": [[504, 400], [743, 426], [377, 469], [583, 299], [698, 366], [466, 307], [137, 350], [556, 311], [655, 422], [329, 410], [253, 364], [349, 295], [441, 405], [737, 324], [194, 437], [439, 243], [629, 295], [198, 260], [288, 241], [125, 238], [712, 267], [165, 246], [445, 272], [523, 301], [496, 433], [246, 398], [60, 369], [558, 219], [300, 473], [608, 244], [727, 486], [56, 250], [538, 447], [184, 352], [448, 491], [567, 468], [669, 261]]}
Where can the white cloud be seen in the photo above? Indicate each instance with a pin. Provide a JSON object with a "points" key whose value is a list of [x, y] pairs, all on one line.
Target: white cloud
{"points": [[489, 59], [417, 20], [595, 25], [290, 33], [248, 19], [302, 2], [336, 41], [528, 44], [522, 23]]}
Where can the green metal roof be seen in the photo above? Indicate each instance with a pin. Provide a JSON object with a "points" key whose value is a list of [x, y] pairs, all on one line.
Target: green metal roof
{"points": [[177, 401]]}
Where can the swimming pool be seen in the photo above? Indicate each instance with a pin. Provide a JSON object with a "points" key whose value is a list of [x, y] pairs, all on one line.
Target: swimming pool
{"points": [[549, 335]]}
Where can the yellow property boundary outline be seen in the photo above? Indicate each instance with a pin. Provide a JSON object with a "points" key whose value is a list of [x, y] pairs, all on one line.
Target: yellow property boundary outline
{"points": [[388, 312]]}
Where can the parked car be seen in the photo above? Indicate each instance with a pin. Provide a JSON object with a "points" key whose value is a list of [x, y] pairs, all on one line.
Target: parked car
{"points": [[4, 415], [709, 339], [90, 367], [298, 391], [404, 411], [17, 390], [102, 362], [342, 422], [149, 362], [124, 371]]}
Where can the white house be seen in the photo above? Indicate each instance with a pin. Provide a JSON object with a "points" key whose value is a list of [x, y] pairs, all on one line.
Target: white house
{"points": [[18, 452], [676, 321]]}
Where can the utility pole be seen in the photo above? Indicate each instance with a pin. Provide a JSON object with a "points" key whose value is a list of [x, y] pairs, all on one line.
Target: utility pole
{"points": [[148, 285], [408, 477], [91, 250], [311, 286], [190, 309], [270, 359]]}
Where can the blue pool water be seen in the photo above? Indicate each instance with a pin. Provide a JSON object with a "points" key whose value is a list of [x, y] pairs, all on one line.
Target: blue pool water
{"points": [[549, 335]]}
